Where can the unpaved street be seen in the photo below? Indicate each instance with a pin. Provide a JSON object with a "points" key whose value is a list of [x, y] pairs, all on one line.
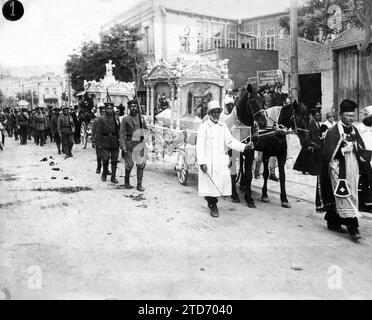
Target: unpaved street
{"points": [[64, 234]]}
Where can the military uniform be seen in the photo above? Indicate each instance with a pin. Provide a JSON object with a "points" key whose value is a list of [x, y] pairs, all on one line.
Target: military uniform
{"points": [[39, 126], [23, 123], [98, 150], [66, 129], [53, 124], [129, 128], [107, 140], [13, 119]]}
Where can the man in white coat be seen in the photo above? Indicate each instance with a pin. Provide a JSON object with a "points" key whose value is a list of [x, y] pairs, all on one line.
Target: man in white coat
{"points": [[365, 181], [214, 139]]}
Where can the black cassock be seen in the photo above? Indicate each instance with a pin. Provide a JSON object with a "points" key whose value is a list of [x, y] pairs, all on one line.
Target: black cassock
{"points": [[331, 150]]}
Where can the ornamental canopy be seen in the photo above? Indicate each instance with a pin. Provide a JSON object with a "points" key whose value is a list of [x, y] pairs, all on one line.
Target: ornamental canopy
{"points": [[120, 92]]}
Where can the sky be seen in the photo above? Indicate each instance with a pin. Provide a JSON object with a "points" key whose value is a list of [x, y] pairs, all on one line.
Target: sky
{"points": [[51, 29]]}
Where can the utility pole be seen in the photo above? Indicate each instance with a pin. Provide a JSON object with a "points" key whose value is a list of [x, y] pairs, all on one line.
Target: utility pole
{"points": [[32, 99], [69, 88], [294, 50]]}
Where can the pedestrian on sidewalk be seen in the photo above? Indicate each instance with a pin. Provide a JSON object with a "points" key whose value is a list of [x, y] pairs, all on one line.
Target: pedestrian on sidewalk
{"points": [[315, 148], [54, 127], [23, 124], [329, 123], [132, 133], [365, 181], [107, 140], [339, 175], [66, 129], [213, 140]]}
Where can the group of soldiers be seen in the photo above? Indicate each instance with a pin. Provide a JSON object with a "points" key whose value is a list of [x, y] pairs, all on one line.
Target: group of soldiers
{"points": [[110, 133], [40, 123]]}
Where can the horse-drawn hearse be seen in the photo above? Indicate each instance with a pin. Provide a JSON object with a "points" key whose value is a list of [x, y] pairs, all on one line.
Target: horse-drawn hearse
{"points": [[190, 84], [96, 92]]}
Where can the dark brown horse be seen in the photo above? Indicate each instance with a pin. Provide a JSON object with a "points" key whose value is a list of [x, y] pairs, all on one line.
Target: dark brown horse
{"points": [[250, 112], [273, 143]]}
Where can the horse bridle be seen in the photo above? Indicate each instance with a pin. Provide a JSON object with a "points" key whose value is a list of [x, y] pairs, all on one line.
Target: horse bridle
{"points": [[296, 128]]}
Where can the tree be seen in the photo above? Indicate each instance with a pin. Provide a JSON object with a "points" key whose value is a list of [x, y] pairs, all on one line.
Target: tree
{"points": [[119, 45], [8, 102], [27, 96], [2, 98], [318, 15]]}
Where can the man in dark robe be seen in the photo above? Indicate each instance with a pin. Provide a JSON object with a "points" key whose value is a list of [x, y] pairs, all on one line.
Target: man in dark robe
{"points": [[339, 175], [77, 122]]}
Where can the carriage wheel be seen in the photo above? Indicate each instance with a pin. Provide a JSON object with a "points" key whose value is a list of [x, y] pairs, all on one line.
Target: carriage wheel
{"points": [[182, 172], [83, 135]]}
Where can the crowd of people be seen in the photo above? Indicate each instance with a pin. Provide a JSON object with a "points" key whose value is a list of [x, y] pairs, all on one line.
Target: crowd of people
{"points": [[338, 153], [41, 123]]}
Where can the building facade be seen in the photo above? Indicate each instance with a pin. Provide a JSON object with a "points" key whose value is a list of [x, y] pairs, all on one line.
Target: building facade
{"points": [[48, 88], [315, 69], [352, 69], [243, 64], [169, 28]]}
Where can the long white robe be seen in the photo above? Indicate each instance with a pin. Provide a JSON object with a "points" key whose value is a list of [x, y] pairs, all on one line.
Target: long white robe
{"points": [[211, 148], [366, 134]]}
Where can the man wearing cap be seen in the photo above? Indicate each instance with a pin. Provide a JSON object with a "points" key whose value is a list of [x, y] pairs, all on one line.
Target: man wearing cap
{"points": [[107, 140], [66, 129], [39, 125], [101, 108], [365, 181], [23, 122], [213, 140], [54, 127], [339, 173], [13, 119], [131, 136]]}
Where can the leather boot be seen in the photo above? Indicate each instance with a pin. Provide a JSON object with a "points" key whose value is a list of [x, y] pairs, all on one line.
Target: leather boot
{"points": [[126, 179], [272, 175], [113, 172], [139, 179], [99, 165], [104, 171], [234, 194]]}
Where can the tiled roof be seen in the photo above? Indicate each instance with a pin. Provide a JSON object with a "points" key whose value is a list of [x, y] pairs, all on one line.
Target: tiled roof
{"points": [[348, 38]]}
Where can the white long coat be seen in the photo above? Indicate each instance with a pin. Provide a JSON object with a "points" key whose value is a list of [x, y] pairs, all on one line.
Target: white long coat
{"points": [[211, 149], [366, 134]]}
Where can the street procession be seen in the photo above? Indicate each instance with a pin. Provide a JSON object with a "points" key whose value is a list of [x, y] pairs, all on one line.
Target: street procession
{"points": [[182, 150]]}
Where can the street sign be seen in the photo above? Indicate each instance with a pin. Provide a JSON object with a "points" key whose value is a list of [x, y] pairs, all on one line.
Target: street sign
{"points": [[270, 77], [252, 80]]}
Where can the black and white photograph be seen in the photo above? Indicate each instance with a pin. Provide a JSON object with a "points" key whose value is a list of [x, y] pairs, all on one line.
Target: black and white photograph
{"points": [[178, 150]]}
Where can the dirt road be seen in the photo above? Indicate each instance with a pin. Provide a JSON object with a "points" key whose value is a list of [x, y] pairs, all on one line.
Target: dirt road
{"points": [[64, 234]]}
